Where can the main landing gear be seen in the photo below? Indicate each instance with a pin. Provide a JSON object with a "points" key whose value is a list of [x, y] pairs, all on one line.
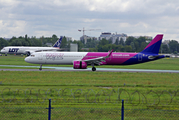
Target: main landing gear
{"points": [[40, 67], [93, 69]]}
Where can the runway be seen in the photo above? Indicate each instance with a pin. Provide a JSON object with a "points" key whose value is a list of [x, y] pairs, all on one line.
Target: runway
{"points": [[48, 68]]}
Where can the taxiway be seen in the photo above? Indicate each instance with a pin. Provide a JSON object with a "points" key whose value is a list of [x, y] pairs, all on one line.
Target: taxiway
{"points": [[48, 68]]}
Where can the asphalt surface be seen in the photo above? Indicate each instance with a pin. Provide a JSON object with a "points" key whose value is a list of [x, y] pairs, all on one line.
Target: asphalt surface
{"points": [[48, 68]]}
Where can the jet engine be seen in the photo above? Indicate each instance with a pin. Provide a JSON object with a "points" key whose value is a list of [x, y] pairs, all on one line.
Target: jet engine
{"points": [[79, 65], [28, 53]]}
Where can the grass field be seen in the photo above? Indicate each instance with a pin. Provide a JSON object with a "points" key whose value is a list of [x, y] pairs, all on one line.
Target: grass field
{"points": [[92, 89], [77, 78]]}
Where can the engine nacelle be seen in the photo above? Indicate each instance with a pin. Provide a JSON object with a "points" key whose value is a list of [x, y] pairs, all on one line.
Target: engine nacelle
{"points": [[28, 53], [79, 65]]}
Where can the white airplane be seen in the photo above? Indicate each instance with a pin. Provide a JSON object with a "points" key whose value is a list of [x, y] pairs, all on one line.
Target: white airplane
{"points": [[28, 50], [80, 60]]}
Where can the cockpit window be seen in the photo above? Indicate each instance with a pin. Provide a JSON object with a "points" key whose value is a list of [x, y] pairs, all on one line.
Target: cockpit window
{"points": [[32, 55]]}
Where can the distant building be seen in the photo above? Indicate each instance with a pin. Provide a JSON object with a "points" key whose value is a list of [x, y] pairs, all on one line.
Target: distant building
{"points": [[105, 35], [166, 41], [49, 44], [85, 38], [113, 37], [147, 37]]}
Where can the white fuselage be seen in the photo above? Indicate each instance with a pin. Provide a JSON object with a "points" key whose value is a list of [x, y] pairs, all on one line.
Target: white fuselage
{"points": [[55, 57], [24, 50]]}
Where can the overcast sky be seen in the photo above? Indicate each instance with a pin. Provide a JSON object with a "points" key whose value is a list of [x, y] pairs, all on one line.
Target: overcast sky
{"points": [[64, 17]]}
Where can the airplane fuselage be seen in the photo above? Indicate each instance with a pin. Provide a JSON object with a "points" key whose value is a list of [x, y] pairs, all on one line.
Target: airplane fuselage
{"points": [[116, 58], [23, 50], [29, 49]]}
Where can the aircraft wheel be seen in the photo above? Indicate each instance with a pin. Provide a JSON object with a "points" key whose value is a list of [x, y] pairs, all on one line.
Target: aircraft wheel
{"points": [[93, 69], [40, 67]]}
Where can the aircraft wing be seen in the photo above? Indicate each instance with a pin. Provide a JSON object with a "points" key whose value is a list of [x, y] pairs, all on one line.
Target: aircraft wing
{"points": [[97, 61]]}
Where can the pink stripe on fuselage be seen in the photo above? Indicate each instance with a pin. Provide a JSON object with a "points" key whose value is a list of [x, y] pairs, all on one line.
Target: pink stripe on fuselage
{"points": [[156, 39], [116, 58]]}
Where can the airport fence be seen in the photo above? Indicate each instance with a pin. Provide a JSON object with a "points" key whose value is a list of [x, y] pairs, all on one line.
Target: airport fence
{"points": [[70, 113], [132, 97]]}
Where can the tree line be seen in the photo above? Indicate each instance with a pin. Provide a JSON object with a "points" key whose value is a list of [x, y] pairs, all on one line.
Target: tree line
{"points": [[130, 45]]}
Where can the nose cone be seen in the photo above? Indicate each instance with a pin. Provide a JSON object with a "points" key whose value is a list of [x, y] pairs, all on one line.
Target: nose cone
{"points": [[27, 59], [2, 51]]}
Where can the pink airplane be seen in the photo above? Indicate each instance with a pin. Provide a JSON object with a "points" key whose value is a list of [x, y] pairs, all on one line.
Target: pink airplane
{"points": [[80, 60]]}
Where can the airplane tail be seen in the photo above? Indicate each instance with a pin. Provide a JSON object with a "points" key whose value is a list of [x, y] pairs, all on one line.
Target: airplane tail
{"points": [[58, 43], [154, 46]]}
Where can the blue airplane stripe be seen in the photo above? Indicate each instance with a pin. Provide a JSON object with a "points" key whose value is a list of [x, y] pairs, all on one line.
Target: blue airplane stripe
{"points": [[143, 56], [131, 60]]}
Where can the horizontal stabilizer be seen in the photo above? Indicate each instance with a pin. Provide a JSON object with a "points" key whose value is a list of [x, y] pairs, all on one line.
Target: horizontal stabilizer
{"points": [[155, 56]]}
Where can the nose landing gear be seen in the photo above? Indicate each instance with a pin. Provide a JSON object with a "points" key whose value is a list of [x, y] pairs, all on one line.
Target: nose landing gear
{"points": [[40, 67]]}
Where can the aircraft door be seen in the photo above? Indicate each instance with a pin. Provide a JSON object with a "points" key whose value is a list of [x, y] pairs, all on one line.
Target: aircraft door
{"points": [[139, 57]]}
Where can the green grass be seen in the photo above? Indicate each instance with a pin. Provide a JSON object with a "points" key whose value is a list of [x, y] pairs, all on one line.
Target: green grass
{"points": [[76, 78], [69, 113], [77, 85]]}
